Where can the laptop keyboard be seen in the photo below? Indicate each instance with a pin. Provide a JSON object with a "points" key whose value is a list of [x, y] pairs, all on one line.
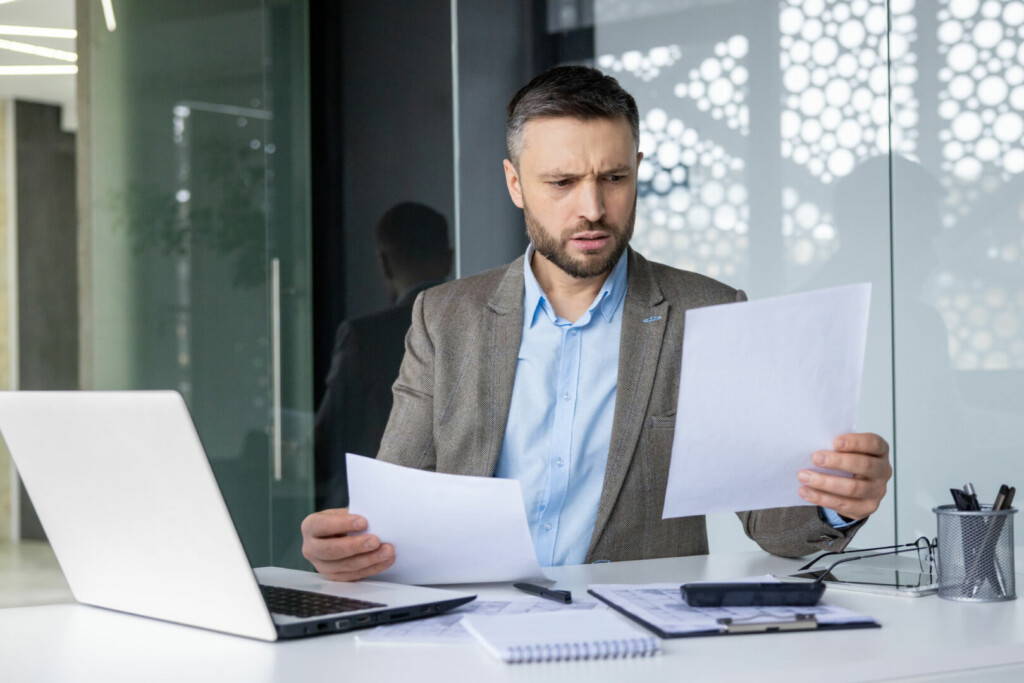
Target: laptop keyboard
{"points": [[302, 604]]}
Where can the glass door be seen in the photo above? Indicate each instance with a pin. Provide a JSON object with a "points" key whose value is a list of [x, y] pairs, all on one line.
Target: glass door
{"points": [[196, 238]]}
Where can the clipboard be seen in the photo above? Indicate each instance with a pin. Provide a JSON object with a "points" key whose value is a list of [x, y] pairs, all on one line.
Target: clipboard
{"points": [[660, 609]]}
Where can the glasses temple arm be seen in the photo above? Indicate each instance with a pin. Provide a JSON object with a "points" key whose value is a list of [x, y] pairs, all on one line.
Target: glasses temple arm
{"points": [[862, 550], [862, 557]]}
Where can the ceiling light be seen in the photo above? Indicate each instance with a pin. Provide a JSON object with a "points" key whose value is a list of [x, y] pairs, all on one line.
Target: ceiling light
{"points": [[35, 70], [108, 14], [38, 50], [38, 31]]}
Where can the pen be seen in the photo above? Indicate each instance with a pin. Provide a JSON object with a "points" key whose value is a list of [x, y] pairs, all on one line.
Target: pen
{"points": [[557, 596], [1000, 501], [972, 497]]}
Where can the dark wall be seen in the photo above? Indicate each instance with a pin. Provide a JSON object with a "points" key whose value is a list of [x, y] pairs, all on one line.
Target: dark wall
{"points": [[47, 249], [396, 125], [381, 132], [496, 43], [47, 259]]}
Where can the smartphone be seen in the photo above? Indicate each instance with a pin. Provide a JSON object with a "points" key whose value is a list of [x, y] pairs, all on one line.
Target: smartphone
{"points": [[752, 594]]}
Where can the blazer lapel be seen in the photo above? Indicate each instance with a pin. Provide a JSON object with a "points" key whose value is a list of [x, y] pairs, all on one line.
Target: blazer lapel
{"points": [[503, 331], [644, 315]]}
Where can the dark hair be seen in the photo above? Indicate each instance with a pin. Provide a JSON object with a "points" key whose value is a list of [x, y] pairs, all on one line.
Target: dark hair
{"points": [[575, 91]]}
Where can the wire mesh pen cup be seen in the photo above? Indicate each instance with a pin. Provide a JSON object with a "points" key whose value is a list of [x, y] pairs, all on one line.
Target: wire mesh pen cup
{"points": [[975, 554]]}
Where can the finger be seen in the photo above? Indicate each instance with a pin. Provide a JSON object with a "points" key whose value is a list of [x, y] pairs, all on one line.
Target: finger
{"points": [[359, 562], [860, 464], [847, 507], [338, 548], [847, 487], [360, 573], [872, 444], [327, 523]]}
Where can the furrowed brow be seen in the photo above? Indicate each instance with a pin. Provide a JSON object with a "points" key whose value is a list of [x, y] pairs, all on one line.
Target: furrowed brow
{"points": [[560, 175]]}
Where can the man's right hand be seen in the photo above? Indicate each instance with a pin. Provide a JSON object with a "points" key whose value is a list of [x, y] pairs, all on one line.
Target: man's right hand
{"points": [[338, 556]]}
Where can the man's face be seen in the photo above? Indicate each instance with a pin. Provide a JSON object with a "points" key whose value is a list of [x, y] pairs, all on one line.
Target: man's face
{"points": [[576, 184]]}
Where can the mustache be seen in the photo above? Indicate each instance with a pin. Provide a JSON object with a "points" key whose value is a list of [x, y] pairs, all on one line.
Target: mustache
{"points": [[588, 226]]}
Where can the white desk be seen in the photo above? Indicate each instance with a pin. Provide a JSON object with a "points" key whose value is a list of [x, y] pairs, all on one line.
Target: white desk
{"points": [[927, 637]]}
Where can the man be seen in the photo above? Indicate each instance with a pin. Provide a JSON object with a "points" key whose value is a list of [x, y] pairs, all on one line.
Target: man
{"points": [[414, 254], [512, 372]]}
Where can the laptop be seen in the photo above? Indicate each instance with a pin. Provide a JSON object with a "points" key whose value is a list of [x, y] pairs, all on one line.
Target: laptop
{"points": [[128, 500]]}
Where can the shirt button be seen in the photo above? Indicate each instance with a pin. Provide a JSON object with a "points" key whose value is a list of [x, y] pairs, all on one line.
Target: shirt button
{"points": [[559, 462], [547, 527], [566, 396]]}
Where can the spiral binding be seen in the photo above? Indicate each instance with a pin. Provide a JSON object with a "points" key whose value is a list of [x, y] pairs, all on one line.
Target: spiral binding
{"points": [[571, 651]]}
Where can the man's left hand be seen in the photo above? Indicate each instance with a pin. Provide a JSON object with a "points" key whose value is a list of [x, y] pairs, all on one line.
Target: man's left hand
{"points": [[866, 457]]}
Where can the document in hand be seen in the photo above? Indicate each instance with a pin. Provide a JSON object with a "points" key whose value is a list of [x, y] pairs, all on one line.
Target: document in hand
{"points": [[764, 384], [446, 528]]}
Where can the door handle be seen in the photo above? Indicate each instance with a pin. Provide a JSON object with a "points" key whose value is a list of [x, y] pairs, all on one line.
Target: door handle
{"points": [[275, 364]]}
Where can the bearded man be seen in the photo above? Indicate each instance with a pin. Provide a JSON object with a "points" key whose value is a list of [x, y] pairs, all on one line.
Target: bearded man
{"points": [[561, 370]]}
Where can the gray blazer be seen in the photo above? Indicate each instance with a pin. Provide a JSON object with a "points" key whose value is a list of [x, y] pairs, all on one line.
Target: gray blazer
{"points": [[452, 396]]}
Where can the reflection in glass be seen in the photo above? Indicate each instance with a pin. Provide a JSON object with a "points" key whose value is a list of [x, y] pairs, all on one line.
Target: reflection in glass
{"points": [[414, 253]]}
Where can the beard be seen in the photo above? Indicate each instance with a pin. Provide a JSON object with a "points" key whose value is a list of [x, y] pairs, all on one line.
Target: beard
{"points": [[556, 249]]}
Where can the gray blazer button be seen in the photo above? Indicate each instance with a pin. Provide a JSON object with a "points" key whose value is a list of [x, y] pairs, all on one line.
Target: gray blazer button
{"points": [[600, 562]]}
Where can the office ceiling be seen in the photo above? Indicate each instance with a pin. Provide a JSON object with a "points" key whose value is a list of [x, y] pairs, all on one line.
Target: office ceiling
{"points": [[52, 89]]}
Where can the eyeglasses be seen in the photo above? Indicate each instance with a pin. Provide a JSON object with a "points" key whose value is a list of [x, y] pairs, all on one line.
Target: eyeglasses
{"points": [[923, 546]]}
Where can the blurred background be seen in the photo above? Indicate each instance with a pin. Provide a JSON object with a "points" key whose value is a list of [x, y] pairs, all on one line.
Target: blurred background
{"points": [[239, 199]]}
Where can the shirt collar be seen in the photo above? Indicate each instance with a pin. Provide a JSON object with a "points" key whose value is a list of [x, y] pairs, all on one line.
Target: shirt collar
{"points": [[607, 301]]}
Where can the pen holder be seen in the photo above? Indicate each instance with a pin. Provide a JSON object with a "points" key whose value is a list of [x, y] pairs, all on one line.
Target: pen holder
{"points": [[975, 554]]}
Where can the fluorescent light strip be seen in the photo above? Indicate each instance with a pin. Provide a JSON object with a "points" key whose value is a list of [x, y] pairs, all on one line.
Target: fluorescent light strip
{"points": [[38, 50], [38, 31], [38, 70], [108, 14]]}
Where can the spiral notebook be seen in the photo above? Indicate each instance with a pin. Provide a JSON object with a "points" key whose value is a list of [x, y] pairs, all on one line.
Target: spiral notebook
{"points": [[557, 636]]}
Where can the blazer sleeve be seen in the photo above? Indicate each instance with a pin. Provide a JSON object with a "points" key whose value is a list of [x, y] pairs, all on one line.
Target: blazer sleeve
{"points": [[409, 436], [794, 531]]}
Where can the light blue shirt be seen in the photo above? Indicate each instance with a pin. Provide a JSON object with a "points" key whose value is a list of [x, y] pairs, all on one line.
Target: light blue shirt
{"points": [[560, 419]]}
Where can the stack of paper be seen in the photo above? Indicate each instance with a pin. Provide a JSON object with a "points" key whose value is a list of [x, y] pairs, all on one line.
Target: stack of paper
{"points": [[447, 629]]}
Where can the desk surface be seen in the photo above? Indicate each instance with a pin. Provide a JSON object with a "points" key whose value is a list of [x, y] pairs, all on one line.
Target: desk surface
{"points": [[921, 639]]}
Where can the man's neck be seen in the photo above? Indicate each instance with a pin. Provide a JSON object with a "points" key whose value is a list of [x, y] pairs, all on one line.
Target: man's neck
{"points": [[569, 296]]}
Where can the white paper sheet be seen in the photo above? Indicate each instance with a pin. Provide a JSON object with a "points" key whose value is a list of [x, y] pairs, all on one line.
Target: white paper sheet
{"points": [[446, 528], [661, 606], [446, 628], [764, 384]]}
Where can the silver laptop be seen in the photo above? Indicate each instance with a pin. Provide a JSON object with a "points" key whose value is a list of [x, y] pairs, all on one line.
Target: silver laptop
{"points": [[126, 495]]}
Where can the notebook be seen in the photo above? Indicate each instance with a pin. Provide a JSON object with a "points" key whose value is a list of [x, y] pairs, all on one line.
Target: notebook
{"points": [[557, 636]]}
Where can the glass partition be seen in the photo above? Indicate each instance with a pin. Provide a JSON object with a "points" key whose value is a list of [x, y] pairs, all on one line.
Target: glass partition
{"points": [[196, 235], [958, 241], [765, 133]]}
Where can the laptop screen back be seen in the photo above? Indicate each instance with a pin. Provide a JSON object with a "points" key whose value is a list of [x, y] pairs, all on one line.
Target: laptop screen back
{"points": [[130, 505]]}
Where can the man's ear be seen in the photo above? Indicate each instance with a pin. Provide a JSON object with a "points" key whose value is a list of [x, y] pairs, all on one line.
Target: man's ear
{"points": [[513, 183], [639, 158]]}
